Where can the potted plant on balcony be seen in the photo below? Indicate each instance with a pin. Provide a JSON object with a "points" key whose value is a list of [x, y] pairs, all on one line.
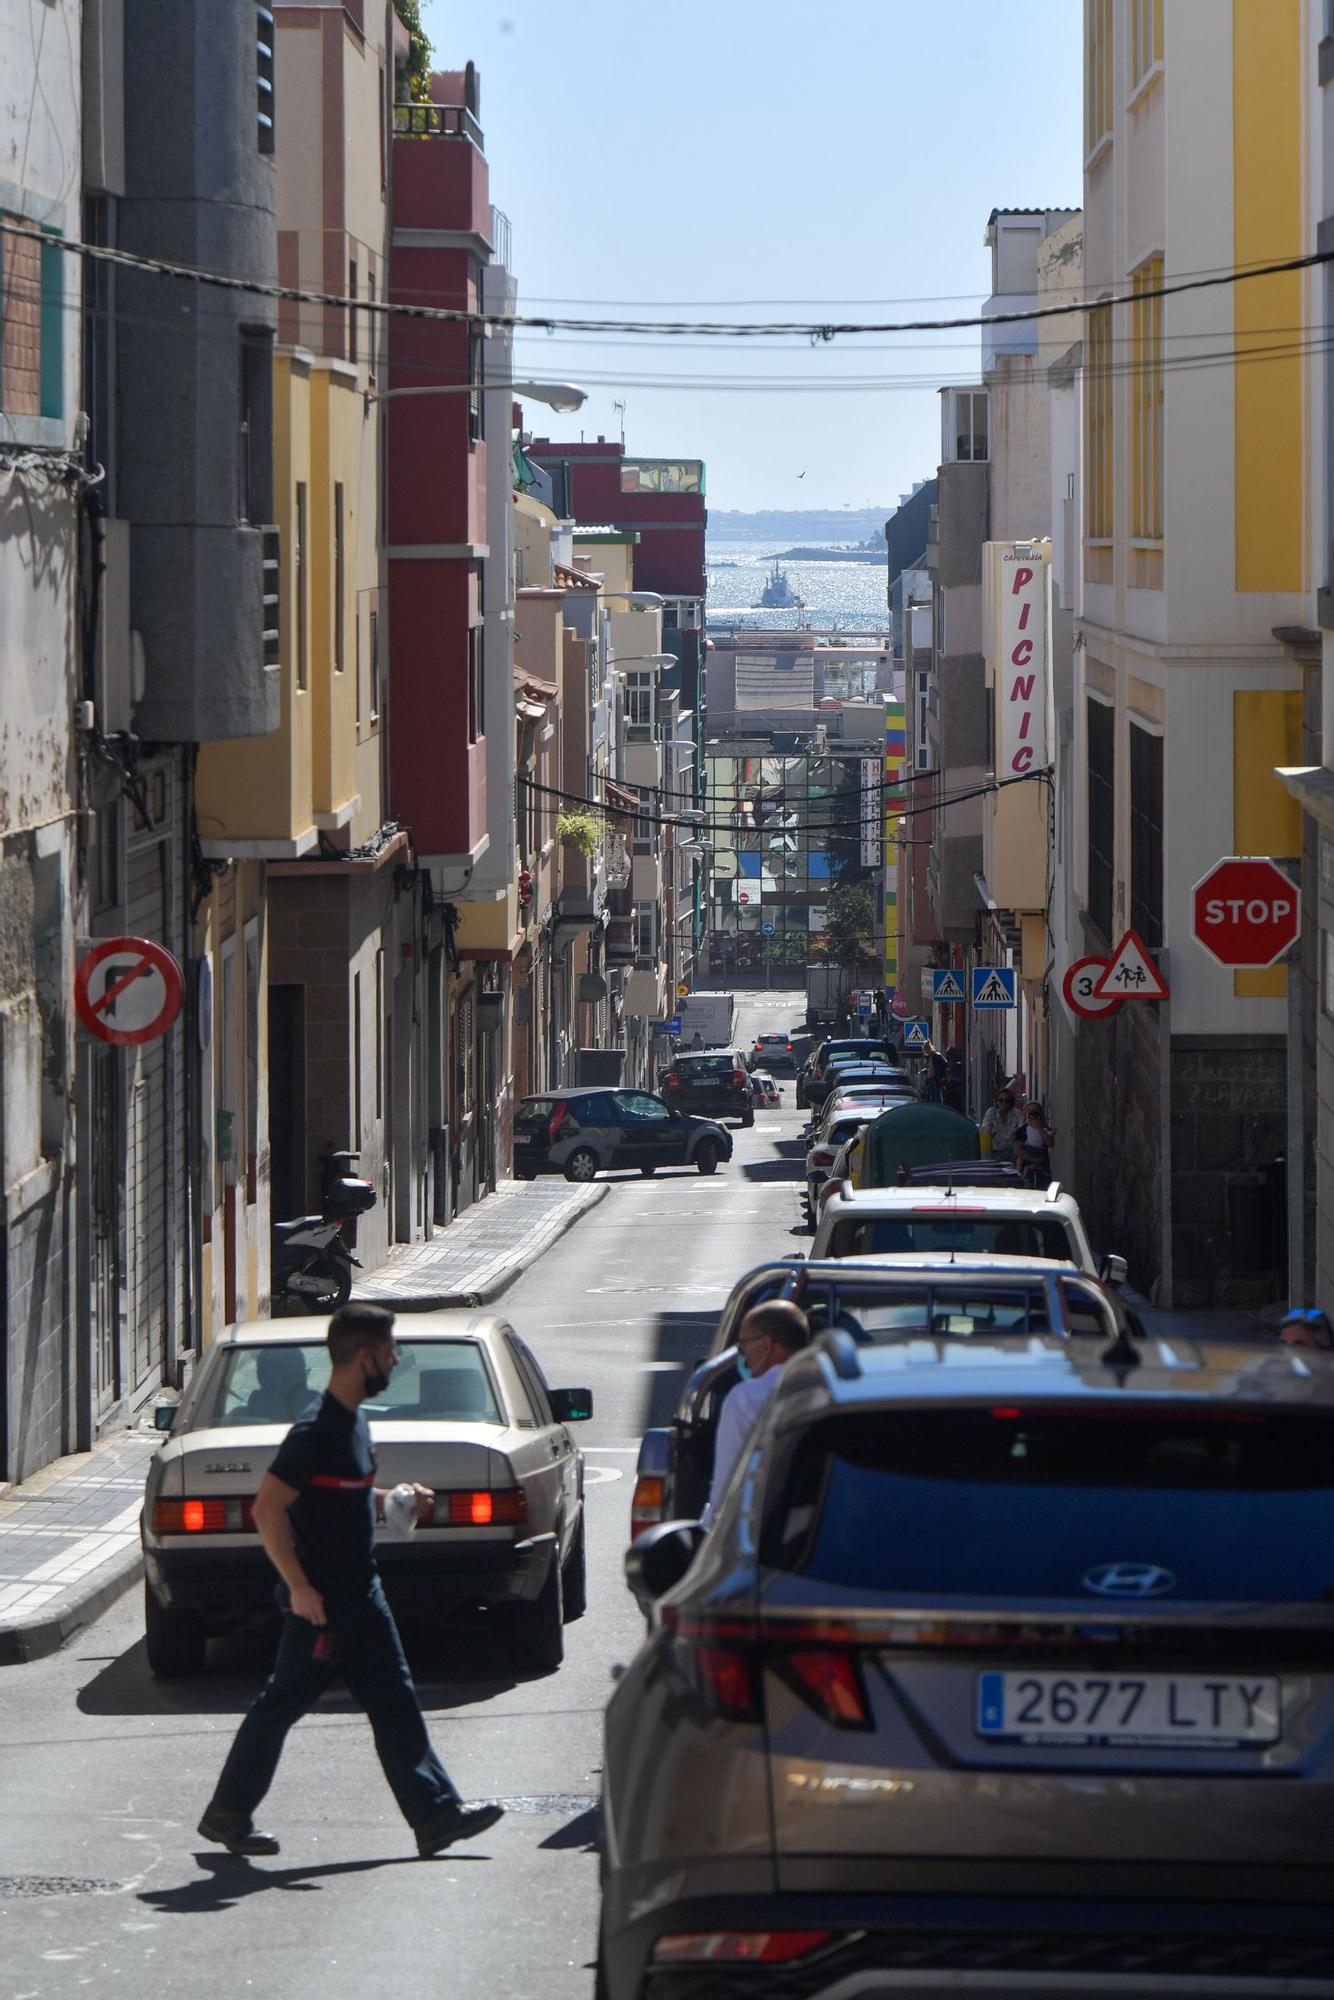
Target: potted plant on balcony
{"points": [[581, 831]]}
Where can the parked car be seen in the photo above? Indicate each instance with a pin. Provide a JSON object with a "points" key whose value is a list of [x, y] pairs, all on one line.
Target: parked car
{"points": [[581, 1133], [825, 1144], [862, 1047], [854, 1070], [467, 1412], [1065, 1725], [764, 1090], [716, 1085], [884, 1297], [996, 1222], [775, 1052]]}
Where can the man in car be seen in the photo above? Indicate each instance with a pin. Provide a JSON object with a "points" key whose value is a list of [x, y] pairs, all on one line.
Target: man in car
{"points": [[770, 1334], [315, 1513]]}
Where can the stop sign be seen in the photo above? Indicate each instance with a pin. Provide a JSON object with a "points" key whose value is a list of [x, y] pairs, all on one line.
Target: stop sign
{"points": [[1245, 912]]}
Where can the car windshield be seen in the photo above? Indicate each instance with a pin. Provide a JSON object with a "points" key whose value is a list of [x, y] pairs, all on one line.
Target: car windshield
{"points": [[534, 1111], [990, 1235], [1010, 1502], [694, 1067], [275, 1382]]}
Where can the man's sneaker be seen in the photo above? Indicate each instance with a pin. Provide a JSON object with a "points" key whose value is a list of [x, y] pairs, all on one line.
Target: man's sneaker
{"points": [[455, 1822], [236, 1833]]}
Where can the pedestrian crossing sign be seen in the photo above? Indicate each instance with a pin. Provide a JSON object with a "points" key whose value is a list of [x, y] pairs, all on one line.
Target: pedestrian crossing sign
{"points": [[993, 986], [947, 988], [916, 1034]]}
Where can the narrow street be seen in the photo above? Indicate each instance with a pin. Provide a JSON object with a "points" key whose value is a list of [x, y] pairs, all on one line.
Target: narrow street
{"points": [[104, 1771]]}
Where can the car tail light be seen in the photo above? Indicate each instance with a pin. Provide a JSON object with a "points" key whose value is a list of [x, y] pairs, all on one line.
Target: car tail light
{"points": [[671, 1081], [202, 1517], [822, 1157], [557, 1119], [738, 1076], [504, 1507], [831, 1682], [724, 1659], [737, 1947], [648, 1502]]}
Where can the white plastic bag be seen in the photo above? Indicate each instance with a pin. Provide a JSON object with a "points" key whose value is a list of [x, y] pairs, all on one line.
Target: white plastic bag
{"points": [[400, 1512]]}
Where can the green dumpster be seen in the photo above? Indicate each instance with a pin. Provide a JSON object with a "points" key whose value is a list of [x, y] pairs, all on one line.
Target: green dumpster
{"points": [[915, 1135]]}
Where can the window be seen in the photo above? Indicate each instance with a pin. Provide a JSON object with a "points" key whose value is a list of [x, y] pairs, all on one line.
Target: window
{"points": [[265, 103], [476, 397], [476, 683], [340, 577], [1098, 401], [32, 322], [375, 666], [1146, 404], [639, 701], [1098, 72], [1146, 835], [1102, 812], [970, 426], [352, 312], [646, 933], [302, 662], [372, 327], [254, 458], [643, 841], [1146, 37]]}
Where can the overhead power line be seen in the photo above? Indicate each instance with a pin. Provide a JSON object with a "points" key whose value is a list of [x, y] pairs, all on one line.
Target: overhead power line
{"points": [[815, 330]]}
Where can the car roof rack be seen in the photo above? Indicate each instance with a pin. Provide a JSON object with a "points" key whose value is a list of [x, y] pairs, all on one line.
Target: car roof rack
{"points": [[1054, 1190], [842, 1351]]}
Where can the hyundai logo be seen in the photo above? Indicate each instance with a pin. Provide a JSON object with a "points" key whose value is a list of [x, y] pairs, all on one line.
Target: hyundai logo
{"points": [[1129, 1580]]}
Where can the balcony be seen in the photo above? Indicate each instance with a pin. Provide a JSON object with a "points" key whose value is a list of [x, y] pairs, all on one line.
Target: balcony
{"points": [[643, 995], [440, 174], [436, 121], [621, 941], [642, 764]]}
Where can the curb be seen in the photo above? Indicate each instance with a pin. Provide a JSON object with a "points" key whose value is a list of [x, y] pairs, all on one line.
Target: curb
{"points": [[498, 1280], [42, 1636]]}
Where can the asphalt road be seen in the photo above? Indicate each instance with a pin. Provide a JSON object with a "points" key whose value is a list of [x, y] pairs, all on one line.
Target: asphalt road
{"points": [[103, 1771]]}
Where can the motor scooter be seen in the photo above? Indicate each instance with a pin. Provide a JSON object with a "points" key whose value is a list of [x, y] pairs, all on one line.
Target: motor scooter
{"points": [[312, 1256]]}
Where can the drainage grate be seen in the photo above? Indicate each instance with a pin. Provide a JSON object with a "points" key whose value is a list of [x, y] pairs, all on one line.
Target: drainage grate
{"points": [[14, 1886]]}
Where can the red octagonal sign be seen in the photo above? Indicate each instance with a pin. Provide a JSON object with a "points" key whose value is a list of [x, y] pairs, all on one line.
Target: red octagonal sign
{"points": [[1245, 912]]}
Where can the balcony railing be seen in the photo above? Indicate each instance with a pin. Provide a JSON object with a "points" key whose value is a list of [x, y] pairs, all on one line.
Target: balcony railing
{"points": [[272, 573], [436, 121]]}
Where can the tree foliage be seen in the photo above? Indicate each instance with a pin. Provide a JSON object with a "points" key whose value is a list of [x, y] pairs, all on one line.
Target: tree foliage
{"points": [[850, 926], [417, 69]]}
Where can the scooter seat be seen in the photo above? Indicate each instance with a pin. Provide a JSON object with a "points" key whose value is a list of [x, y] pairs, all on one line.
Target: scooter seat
{"points": [[282, 1230]]}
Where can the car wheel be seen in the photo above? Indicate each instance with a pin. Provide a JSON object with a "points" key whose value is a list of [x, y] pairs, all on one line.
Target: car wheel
{"points": [[525, 1173], [574, 1583], [176, 1641], [537, 1627], [335, 1282], [648, 1172], [582, 1164], [707, 1156]]}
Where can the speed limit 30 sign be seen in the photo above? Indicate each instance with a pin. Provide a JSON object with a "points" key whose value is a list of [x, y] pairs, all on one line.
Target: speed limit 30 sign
{"points": [[1080, 989]]}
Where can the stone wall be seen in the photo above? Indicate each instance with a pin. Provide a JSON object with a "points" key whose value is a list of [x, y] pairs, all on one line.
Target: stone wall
{"points": [[1117, 1163]]}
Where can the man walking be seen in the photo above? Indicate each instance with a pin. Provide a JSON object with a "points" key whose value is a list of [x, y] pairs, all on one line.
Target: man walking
{"points": [[315, 1512], [769, 1335]]}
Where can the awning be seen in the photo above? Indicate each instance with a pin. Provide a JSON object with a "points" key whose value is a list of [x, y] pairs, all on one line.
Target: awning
{"points": [[618, 796]]}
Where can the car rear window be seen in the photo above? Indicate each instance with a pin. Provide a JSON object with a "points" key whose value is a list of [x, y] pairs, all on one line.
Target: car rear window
{"points": [[1008, 1502], [533, 1112], [707, 1066], [435, 1381], [995, 1236]]}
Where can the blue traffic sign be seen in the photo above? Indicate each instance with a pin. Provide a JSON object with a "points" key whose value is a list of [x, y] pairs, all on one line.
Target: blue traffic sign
{"points": [[947, 988], [993, 986], [916, 1034], [767, 929], [674, 1025]]}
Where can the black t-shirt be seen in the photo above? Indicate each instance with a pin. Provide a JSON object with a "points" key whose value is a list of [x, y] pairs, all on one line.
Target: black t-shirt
{"points": [[327, 1456]]}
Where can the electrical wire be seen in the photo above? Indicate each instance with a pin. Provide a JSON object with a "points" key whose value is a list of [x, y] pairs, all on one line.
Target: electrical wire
{"points": [[814, 331]]}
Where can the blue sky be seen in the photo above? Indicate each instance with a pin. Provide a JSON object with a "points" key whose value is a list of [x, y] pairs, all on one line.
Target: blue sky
{"points": [[846, 153]]}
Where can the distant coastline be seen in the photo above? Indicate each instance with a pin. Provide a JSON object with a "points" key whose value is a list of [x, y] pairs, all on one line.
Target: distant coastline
{"points": [[863, 555]]}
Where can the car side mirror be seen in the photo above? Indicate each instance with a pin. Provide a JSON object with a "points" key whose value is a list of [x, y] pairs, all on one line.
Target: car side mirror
{"points": [[659, 1559], [571, 1406], [1113, 1270]]}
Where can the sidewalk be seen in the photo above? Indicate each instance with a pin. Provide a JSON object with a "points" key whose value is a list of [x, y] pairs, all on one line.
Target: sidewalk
{"points": [[69, 1536]]}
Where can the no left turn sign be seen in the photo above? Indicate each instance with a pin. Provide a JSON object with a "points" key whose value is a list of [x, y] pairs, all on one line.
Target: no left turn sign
{"points": [[127, 991]]}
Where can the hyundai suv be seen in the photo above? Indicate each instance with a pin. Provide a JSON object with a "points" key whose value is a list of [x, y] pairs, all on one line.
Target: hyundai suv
{"points": [[1007, 1667]]}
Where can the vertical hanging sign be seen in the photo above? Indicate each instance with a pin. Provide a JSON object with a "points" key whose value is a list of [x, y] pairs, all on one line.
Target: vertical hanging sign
{"points": [[1021, 686], [871, 814], [895, 754]]}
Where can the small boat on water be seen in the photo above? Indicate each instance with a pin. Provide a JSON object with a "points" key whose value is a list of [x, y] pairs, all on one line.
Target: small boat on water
{"points": [[777, 592]]}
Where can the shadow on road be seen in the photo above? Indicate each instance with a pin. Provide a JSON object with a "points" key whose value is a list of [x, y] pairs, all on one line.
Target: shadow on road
{"points": [[583, 1832], [772, 1170], [452, 1670], [229, 1879]]}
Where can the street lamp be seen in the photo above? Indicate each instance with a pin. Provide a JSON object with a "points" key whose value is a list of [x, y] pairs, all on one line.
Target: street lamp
{"points": [[559, 396]]}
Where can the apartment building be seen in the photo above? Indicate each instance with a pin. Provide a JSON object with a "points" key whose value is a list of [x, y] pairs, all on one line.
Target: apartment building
{"points": [[1197, 593]]}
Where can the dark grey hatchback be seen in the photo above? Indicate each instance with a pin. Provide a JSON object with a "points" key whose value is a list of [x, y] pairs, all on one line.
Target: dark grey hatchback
{"points": [[580, 1133]]}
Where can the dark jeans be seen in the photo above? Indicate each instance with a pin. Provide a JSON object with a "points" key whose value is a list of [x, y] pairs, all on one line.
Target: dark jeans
{"points": [[361, 1643]]}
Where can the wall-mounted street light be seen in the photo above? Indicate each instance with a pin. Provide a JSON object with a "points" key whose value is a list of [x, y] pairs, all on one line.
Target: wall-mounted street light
{"points": [[559, 396]]}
